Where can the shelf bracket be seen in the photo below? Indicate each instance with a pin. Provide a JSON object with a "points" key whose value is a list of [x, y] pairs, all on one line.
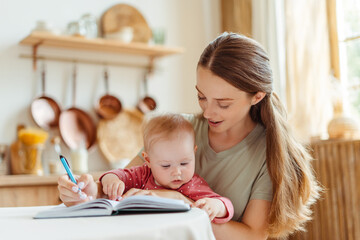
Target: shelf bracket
{"points": [[151, 64]]}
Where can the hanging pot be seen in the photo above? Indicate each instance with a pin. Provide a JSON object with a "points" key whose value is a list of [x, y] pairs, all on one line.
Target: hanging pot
{"points": [[77, 128], [147, 103], [44, 110], [108, 105]]}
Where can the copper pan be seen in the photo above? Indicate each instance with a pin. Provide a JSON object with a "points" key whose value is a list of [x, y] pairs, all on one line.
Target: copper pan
{"points": [[44, 110], [108, 105], [77, 128], [147, 103]]}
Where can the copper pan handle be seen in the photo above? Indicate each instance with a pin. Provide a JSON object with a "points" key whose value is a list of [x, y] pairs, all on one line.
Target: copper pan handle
{"points": [[43, 79], [74, 86], [106, 80]]}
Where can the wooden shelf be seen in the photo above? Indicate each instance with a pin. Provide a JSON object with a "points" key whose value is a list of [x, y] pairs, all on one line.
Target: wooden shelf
{"points": [[36, 39]]}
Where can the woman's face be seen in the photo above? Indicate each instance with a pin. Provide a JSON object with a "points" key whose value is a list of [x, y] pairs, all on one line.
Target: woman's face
{"points": [[224, 106]]}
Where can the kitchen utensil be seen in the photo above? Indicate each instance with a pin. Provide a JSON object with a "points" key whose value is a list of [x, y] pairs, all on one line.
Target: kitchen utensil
{"points": [[45, 110], [108, 106], [76, 126], [122, 15], [120, 139], [146, 104]]}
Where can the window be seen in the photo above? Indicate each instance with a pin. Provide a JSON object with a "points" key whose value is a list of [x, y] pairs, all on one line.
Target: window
{"points": [[348, 25]]}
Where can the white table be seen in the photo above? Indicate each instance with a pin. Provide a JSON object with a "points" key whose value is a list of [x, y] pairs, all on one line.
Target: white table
{"points": [[18, 223]]}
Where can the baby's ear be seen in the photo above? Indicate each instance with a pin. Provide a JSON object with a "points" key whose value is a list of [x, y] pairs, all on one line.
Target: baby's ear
{"points": [[195, 148], [146, 158]]}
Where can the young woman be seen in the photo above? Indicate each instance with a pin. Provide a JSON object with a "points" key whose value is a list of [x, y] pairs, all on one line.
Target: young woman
{"points": [[246, 151]]}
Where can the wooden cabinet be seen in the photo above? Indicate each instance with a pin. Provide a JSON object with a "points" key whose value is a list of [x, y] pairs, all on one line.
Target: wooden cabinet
{"points": [[28, 190], [337, 213]]}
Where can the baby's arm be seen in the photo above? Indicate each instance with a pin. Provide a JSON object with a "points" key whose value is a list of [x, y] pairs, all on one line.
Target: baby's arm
{"points": [[220, 209], [112, 186], [213, 206], [118, 181]]}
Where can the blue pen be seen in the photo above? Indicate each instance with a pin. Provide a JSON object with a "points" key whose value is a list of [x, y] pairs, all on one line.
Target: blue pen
{"points": [[68, 170]]}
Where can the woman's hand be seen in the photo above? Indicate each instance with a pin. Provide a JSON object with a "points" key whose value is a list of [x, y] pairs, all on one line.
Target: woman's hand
{"points": [[213, 207], [112, 186], [69, 191]]}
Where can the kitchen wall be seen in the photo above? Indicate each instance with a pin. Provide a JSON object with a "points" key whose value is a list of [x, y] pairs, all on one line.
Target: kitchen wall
{"points": [[188, 23]]}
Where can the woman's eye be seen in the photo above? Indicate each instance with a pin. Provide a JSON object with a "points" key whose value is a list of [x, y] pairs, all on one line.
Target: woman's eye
{"points": [[224, 106], [201, 98]]}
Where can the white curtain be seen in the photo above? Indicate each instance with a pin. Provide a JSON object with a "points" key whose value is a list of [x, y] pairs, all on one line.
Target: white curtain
{"points": [[295, 35], [308, 67], [268, 29]]}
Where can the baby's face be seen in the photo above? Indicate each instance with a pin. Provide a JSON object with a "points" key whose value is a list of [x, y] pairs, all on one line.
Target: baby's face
{"points": [[172, 160]]}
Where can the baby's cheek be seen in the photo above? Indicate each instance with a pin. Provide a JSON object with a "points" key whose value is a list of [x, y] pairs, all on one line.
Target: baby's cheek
{"points": [[188, 175]]}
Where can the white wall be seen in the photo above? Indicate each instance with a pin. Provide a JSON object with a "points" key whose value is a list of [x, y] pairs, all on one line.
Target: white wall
{"points": [[189, 23]]}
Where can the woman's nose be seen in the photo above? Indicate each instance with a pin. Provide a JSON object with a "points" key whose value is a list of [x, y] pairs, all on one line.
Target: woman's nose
{"points": [[208, 111]]}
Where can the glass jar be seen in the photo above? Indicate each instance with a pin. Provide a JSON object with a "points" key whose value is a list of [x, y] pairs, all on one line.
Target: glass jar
{"points": [[30, 149], [31, 159], [54, 163], [89, 23], [79, 160], [76, 29]]}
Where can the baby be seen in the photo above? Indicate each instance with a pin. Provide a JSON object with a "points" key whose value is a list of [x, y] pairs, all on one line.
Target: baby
{"points": [[169, 154]]}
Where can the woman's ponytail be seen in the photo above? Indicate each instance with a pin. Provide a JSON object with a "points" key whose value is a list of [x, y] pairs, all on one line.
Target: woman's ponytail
{"points": [[288, 161]]}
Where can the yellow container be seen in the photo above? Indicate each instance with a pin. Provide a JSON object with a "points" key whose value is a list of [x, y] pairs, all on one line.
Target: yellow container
{"points": [[30, 150]]}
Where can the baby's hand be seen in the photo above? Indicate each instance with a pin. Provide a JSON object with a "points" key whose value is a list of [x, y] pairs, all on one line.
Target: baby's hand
{"points": [[112, 186], [213, 207]]}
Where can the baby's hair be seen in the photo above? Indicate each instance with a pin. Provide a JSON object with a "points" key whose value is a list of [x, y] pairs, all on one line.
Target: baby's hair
{"points": [[165, 126]]}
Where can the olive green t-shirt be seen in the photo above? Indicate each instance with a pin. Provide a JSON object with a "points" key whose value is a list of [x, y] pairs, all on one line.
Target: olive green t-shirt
{"points": [[239, 173]]}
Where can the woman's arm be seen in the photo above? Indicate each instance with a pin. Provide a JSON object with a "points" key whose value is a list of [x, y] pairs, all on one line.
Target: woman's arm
{"points": [[253, 226], [91, 189]]}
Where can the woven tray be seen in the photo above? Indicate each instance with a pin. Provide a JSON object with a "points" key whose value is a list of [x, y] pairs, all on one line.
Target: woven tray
{"points": [[121, 137], [123, 15]]}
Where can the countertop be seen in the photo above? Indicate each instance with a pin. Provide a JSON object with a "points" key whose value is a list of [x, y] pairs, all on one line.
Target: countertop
{"points": [[29, 180], [18, 223]]}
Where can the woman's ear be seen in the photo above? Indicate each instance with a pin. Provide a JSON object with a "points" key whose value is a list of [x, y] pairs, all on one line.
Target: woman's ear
{"points": [[195, 148], [146, 158], [257, 97]]}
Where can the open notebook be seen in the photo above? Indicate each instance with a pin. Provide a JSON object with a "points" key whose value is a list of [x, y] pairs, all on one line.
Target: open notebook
{"points": [[106, 207]]}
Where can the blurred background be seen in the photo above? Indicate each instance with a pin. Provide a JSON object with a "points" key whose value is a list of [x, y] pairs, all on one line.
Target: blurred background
{"points": [[151, 48]]}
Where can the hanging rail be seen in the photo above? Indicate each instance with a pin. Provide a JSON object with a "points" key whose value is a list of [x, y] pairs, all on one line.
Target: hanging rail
{"points": [[72, 60]]}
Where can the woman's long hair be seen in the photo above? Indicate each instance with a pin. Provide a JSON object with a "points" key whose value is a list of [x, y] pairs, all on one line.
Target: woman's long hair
{"points": [[243, 63]]}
